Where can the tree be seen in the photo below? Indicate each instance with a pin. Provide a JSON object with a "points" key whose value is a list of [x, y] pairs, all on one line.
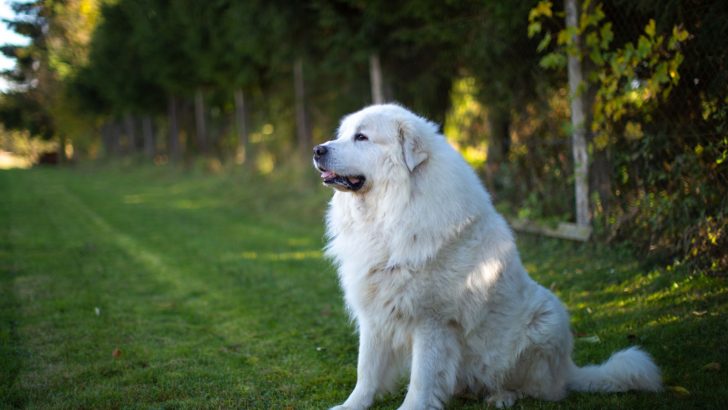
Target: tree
{"points": [[167, 67], [242, 63], [504, 61], [59, 33], [298, 37], [115, 84]]}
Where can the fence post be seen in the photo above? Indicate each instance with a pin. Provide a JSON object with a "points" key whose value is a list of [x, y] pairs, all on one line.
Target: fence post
{"points": [[200, 126], [241, 125], [173, 147], [375, 75], [302, 127], [578, 119]]}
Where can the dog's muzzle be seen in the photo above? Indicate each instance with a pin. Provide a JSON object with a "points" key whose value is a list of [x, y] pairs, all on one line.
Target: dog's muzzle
{"points": [[342, 182]]}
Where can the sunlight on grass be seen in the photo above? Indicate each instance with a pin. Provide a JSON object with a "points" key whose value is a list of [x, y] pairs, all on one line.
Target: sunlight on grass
{"points": [[279, 256], [196, 204], [299, 241], [664, 320], [134, 199], [181, 203], [152, 261], [643, 281]]}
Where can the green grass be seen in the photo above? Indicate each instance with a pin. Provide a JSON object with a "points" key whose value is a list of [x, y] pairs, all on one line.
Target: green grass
{"points": [[214, 291]]}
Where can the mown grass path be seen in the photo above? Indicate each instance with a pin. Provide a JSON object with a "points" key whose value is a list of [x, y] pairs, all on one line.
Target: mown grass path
{"points": [[139, 288]]}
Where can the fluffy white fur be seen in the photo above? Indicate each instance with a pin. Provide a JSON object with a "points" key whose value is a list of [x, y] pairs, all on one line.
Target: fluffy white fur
{"points": [[432, 277]]}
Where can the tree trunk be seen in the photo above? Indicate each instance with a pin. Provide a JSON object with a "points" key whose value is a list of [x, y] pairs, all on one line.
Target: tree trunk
{"points": [[303, 132], [500, 128], [115, 138], [174, 147], [106, 139], [499, 144], [129, 132], [578, 122], [375, 76], [148, 132], [241, 126], [200, 120], [62, 157], [600, 181]]}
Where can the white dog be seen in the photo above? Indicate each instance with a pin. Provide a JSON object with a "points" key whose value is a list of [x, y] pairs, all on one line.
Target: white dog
{"points": [[432, 277]]}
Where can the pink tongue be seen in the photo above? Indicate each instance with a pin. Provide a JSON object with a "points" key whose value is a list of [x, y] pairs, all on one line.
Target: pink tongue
{"points": [[327, 174], [353, 180]]}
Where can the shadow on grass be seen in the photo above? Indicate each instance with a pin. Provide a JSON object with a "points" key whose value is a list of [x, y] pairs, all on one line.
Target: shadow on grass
{"points": [[11, 353]]}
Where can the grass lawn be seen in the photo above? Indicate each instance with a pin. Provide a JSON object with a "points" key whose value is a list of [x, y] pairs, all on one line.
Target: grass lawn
{"points": [[124, 287]]}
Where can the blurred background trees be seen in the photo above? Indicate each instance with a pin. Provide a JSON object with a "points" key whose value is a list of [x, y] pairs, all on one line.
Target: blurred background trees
{"points": [[258, 82]]}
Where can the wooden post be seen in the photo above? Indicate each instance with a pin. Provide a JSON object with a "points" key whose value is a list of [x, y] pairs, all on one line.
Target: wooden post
{"points": [[62, 157], [201, 129], [499, 143], [131, 142], [241, 125], [302, 131], [578, 136], [375, 76], [115, 138], [148, 132], [173, 149], [106, 138]]}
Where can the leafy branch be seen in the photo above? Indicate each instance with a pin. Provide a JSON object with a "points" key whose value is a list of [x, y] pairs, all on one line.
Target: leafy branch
{"points": [[630, 80]]}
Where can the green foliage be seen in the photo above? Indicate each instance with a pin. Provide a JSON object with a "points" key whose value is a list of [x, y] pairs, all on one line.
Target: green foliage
{"points": [[145, 51], [23, 111], [24, 145], [676, 206], [41, 99], [630, 80], [498, 38], [28, 106], [467, 122], [665, 149]]}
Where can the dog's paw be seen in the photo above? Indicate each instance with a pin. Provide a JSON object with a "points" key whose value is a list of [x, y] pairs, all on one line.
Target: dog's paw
{"points": [[503, 399], [426, 407]]}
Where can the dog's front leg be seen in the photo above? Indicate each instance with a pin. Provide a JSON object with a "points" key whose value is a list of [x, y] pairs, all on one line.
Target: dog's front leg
{"points": [[435, 359], [375, 356]]}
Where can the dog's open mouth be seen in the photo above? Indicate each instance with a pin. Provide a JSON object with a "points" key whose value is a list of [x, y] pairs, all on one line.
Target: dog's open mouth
{"points": [[351, 183]]}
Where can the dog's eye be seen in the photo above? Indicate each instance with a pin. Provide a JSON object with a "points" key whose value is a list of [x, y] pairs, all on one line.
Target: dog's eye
{"points": [[360, 137]]}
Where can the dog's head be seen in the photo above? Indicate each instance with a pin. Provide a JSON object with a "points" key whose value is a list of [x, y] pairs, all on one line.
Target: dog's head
{"points": [[379, 144]]}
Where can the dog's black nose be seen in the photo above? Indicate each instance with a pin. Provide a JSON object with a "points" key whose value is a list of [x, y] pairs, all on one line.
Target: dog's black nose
{"points": [[319, 151]]}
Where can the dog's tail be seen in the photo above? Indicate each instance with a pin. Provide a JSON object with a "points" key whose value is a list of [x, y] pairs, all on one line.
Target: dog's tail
{"points": [[629, 369]]}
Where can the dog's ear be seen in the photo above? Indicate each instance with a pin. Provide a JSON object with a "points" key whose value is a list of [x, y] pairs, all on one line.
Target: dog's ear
{"points": [[412, 150]]}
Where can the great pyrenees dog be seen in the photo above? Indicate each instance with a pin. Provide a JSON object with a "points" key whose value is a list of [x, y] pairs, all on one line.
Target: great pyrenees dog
{"points": [[434, 282]]}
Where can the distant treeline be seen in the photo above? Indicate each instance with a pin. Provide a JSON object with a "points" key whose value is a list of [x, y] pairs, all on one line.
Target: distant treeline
{"points": [[259, 81]]}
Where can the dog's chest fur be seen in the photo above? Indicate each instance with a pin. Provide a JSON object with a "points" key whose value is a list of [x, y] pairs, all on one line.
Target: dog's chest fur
{"points": [[376, 290]]}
